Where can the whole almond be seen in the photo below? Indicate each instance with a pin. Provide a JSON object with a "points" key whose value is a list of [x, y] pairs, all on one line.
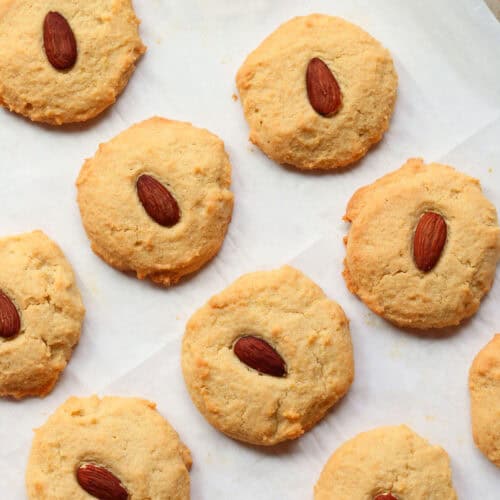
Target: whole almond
{"points": [[10, 323], [259, 355], [59, 41], [100, 483], [428, 242], [159, 204], [385, 496], [323, 90]]}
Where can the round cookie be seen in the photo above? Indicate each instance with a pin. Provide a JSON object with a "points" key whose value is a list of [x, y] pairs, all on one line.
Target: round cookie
{"points": [[105, 33], [387, 460], [125, 436], [386, 216], [484, 386], [41, 314], [265, 359], [274, 92], [176, 158]]}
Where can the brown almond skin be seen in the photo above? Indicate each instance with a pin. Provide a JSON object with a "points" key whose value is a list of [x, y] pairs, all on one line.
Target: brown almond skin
{"points": [[323, 90], [385, 496], [428, 242], [59, 41], [100, 483], [10, 322], [159, 204], [259, 355]]}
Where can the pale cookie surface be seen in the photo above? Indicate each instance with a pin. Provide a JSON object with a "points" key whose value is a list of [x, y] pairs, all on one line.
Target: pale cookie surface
{"points": [[192, 164], [386, 460], [108, 45], [484, 386], [379, 264], [39, 281], [309, 331], [126, 436], [273, 91]]}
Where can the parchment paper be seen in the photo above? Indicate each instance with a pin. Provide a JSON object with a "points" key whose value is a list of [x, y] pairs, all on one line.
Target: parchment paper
{"points": [[447, 55]]}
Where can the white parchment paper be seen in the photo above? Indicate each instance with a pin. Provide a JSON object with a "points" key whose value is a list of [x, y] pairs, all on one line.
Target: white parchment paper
{"points": [[447, 54]]}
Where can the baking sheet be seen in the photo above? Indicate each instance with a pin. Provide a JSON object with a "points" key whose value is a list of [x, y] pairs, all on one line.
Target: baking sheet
{"points": [[447, 55]]}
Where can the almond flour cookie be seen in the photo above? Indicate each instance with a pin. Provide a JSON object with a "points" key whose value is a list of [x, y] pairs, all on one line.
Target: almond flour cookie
{"points": [[155, 200], [317, 93], [388, 463], [41, 314], [484, 386], [64, 61], [111, 448], [265, 359], [423, 245]]}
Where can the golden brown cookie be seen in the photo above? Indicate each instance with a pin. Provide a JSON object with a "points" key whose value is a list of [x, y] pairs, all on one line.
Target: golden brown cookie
{"points": [[41, 314], [265, 359], [423, 245], [317, 93], [64, 61], [113, 448], [155, 200], [388, 463], [484, 386]]}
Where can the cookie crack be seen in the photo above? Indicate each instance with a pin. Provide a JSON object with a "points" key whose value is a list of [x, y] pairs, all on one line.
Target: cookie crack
{"points": [[277, 411]]}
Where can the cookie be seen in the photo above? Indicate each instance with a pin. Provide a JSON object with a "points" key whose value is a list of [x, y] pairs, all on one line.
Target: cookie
{"points": [[317, 93], [92, 445], [155, 200], [66, 61], [484, 386], [265, 359], [41, 314], [387, 463], [423, 245]]}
